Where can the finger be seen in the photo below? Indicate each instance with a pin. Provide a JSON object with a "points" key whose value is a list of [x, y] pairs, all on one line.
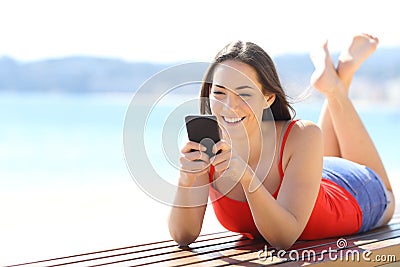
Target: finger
{"points": [[190, 146], [221, 157], [222, 166], [194, 166], [221, 145], [196, 156]]}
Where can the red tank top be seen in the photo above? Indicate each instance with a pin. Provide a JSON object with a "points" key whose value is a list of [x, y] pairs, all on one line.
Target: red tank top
{"points": [[336, 212]]}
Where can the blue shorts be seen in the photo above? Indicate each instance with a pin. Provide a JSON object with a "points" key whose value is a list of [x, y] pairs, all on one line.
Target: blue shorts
{"points": [[361, 182]]}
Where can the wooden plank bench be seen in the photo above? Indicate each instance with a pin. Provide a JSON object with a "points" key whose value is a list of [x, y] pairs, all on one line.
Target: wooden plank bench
{"points": [[374, 248]]}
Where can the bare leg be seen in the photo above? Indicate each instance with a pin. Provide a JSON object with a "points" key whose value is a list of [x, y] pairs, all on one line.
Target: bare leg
{"points": [[353, 139], [351, 58], [340, 119], [331, 144]]}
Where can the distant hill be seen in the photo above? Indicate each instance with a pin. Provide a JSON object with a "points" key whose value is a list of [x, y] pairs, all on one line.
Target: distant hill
{"points": [[379, 76], [74, 74]]}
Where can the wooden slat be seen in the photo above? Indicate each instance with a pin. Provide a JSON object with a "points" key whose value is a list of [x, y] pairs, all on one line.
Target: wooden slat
{"points": [[245, 250], [197, 252], [386, 248], [228, 249], [323, 258], [139, 251], [252, 259]]}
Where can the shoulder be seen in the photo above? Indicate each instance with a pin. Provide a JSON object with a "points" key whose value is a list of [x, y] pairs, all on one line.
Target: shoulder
{"points": [[305, 128], [306, 124], [304, 133], [304, 151]]}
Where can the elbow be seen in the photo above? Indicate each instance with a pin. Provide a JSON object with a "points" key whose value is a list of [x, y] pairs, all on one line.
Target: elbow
{"points": [[183, 239], [183, 232], [282, 244], [183, 236], [281, 241]]}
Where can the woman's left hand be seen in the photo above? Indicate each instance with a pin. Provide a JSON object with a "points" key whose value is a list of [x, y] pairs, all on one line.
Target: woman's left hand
{"points": [[228, 162]]}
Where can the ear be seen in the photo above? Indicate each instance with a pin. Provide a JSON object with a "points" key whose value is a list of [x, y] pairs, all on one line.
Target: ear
{"points": [[269, 100]]}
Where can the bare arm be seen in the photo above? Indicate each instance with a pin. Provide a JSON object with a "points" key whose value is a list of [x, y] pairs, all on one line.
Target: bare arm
{"points": [[281, 221], [187, 214]]}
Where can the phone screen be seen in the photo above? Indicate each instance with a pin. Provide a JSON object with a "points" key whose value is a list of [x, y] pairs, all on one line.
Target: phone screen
{"points": [[203, 129]]}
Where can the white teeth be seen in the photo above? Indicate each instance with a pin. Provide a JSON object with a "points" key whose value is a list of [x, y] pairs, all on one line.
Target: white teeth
{"points": [[232, 120]]}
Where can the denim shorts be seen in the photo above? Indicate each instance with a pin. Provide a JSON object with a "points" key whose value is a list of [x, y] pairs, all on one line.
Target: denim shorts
{"points": [[361, 182]]}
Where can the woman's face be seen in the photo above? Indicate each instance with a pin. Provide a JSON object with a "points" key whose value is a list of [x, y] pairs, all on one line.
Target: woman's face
{"points": [[236, 98]]}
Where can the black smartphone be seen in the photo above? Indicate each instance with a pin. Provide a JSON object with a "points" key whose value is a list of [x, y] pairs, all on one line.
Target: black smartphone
{"points": [[203, 129]]}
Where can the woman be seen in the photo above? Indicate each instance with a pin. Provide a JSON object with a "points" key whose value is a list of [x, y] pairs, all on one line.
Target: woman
{"points": [[266, 180]]}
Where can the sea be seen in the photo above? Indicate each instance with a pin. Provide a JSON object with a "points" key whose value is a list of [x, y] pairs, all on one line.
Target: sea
{"points": [[66, 187]]}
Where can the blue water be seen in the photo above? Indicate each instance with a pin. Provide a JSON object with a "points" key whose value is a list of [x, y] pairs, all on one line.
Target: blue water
{"points": [[58, 140], [71, 140]]}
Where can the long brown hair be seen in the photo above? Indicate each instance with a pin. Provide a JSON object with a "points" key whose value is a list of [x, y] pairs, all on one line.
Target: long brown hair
{"points": [[254, 56]]}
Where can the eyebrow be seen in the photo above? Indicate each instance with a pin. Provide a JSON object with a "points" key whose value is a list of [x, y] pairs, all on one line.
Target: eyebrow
{"points": [[237, 88]]}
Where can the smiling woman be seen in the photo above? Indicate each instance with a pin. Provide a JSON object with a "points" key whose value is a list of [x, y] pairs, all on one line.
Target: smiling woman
{"points": [[246, 98], [266, 181], [261, 75]]}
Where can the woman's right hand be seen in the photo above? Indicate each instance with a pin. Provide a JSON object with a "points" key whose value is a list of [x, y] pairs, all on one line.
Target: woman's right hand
{"points": [[194, 162]]}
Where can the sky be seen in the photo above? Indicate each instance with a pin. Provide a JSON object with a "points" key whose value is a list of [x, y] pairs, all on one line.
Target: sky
{"points": [[173, 30]]}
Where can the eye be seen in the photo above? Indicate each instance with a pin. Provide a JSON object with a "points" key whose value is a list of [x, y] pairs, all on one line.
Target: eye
{"points": [[218, 93], [244, 95]]}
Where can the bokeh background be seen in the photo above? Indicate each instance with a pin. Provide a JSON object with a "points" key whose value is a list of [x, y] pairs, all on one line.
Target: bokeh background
{"points": [[68, 72]]}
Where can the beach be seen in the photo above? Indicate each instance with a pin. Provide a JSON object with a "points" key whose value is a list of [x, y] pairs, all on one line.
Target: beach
{"points": [[65, 188]]}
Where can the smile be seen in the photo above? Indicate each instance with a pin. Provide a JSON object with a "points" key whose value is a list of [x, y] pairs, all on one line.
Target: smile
{"points": [[232, 120]]}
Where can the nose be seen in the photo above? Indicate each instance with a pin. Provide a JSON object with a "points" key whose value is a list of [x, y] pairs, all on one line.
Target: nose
{"points": [[232, 100]]}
